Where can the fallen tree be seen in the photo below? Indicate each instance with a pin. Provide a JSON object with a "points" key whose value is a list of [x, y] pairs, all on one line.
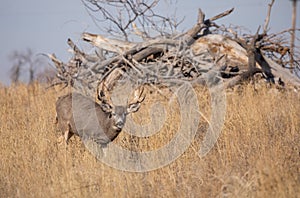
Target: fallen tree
{"points": [[206, 53]]}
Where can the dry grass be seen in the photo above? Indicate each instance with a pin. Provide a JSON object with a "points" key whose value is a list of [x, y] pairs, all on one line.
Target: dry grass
{"points": [[257, 154]]}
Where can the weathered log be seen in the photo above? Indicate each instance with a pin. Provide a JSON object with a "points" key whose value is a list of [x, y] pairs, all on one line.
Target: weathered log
{"points": [[112, 45], [192, 56], [151, 46], [279, 71]]}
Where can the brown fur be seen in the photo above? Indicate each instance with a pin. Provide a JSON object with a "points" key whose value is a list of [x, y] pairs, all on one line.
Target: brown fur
{"points": [[80, 115]]}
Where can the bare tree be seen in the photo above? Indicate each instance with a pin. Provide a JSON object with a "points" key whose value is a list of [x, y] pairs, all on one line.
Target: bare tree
{"points": [[196, 55], [15, 71], [294, 14], [131, 14], [25, 64]]}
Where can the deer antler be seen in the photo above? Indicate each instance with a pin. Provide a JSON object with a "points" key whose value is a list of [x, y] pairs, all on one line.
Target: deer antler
{"points": [[103, 94], [139, 95]]}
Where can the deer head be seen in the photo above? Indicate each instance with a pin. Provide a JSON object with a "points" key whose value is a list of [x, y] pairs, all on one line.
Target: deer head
{"points": [[118, 113]]}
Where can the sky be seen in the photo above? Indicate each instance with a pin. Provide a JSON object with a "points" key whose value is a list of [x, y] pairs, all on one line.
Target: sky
{"points": [[45, 26]]}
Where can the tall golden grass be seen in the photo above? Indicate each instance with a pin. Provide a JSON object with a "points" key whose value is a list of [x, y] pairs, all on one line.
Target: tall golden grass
{"points": [[257, 153]]}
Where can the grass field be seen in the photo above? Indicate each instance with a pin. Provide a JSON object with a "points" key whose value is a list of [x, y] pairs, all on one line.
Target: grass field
{"points": [[257, 153]]}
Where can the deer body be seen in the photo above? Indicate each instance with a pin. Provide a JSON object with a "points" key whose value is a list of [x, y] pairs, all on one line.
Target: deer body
{"points": [[80, 115]]}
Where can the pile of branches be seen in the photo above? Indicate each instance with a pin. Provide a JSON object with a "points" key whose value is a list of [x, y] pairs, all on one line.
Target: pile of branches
{"points": [[205, 54]]}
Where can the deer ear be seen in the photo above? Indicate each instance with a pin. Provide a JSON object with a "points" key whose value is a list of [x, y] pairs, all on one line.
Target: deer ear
{"points": [[106, 107], [133, 107]]}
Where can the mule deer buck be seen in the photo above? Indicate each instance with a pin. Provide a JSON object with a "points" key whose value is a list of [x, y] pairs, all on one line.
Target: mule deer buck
{"points": [[101, 123]]}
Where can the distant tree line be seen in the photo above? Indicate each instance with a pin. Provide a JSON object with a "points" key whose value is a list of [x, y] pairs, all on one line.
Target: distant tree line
{"points": [[29, 67]]}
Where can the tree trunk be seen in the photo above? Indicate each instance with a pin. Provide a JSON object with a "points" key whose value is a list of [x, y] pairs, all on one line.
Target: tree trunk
{"points": [[293, 34]]}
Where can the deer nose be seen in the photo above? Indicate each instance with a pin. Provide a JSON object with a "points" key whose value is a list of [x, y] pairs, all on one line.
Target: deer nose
{"points": [[120, 124]]}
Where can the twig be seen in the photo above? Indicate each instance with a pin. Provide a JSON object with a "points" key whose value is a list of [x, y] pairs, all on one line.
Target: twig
{"points": [[267, 20]]}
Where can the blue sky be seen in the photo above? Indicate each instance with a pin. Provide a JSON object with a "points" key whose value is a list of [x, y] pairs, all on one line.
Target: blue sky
{"points": [[44, 26]]}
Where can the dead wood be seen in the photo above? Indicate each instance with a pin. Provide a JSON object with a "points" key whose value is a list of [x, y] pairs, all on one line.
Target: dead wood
{"points": [[197, 55]]}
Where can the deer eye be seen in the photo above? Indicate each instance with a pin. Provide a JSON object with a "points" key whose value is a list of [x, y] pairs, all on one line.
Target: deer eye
{"points": [[112, 114]]}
